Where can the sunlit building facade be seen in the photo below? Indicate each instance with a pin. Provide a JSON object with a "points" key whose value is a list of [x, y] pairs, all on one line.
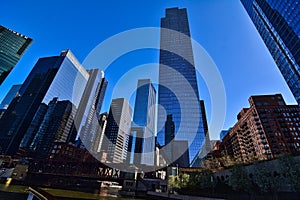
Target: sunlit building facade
{"points": [[115, 142]]}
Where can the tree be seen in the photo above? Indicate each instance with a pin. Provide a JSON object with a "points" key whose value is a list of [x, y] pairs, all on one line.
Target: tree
{"points": [[179, 182], [239, 179], [206, 180], [173, 183], [289, 168], [265, 179]]}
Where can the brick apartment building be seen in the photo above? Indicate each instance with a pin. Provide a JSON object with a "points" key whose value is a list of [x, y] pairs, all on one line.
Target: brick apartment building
{"points": [[265, 130]]}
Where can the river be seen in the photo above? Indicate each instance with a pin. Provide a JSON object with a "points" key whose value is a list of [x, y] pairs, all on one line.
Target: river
{"points": [[17, 192]]}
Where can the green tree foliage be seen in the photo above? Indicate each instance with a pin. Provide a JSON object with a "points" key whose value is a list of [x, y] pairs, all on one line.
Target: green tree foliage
{"points": [[265, 178], [289, 168], [179, 182], [239, 179], [173, 182]]}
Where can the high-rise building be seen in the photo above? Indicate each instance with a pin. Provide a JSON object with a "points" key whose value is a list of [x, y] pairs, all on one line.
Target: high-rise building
{"points": [[206, 147], [278, 23], [265, 130], [115, 142], [175, 152], [178, 90], [55, 127], [86, 125], [142, 138], [58, 76], [169, 130], [12, 93], [12, 47]]}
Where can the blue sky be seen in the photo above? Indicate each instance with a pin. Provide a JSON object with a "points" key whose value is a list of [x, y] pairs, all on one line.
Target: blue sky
{"points": [[222, 27]]}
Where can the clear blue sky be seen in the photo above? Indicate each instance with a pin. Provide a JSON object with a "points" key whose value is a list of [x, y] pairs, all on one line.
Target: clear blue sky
{"points": [[222, 27]]}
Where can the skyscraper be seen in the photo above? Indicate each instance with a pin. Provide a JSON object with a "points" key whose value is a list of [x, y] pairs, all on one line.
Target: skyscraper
{"points": [[87, 119], [178, 90], [175, 152], [115, 142], [12, 47], [206, 148], [278, 23], [14, 90], [142, 138], [55, 127], [58, 76]]}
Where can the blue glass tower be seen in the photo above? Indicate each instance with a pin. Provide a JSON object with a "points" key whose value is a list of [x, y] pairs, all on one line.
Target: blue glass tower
{"points": [[142, 138], [278, 23], [178, 90], [12, 93], [60, 77]]}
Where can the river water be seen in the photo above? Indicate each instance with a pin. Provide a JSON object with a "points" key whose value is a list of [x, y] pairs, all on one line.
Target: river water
{"points": [[16, 192]]}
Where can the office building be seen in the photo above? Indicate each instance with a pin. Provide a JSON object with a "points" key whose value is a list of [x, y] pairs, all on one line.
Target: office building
{"points": [[60, 77], [12, 93], [278, 23], [115, 142], [87, 125], [178, 90], [142, 138], [55, 127], [12, 47], [206, 147]]}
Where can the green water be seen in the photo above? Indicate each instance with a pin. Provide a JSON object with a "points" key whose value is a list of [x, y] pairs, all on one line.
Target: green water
{"points": [[18, 192]]}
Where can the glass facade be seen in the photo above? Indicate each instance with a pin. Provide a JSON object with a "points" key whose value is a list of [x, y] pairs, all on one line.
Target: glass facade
{"points": [[142, 139], [115, 144], [60, 77], [14, 91], [91, 103], [12, 47], [278, 23], [178, 90], [55, 127]]}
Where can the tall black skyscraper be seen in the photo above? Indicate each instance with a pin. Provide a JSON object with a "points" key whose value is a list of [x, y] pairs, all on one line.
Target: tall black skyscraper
{"points": [[55, 127], [278, 23], [60, 77], [12, 47], [178, 90]]}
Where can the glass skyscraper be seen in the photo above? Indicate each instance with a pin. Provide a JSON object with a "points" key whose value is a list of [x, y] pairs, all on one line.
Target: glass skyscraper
{"points": [[55, 127], [90, 108], [12, 47], [178, 90], [278, 23], [14, 90], [60, 77], [142, 138], [115, 142]]}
